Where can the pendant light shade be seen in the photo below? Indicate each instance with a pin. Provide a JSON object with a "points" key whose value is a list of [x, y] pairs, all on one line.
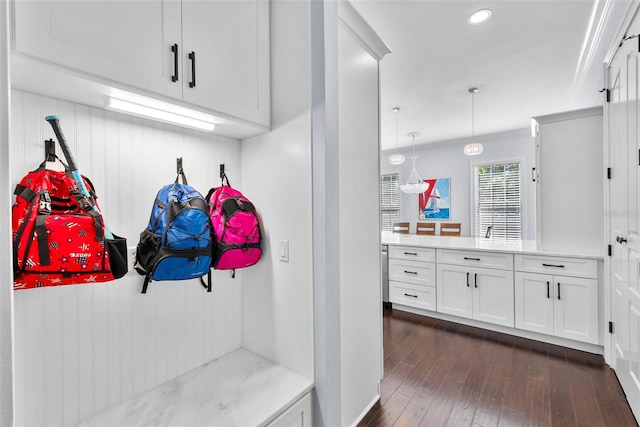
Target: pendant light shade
{"points": [[474, 148], [396, 159], [414, 184]]}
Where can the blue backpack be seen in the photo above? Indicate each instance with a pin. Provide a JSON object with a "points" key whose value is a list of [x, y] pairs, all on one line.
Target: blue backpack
{"points": [[177, 243]]}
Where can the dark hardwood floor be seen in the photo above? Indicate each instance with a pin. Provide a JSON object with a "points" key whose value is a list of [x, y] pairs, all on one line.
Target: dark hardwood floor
{"points": [[440, 373]]}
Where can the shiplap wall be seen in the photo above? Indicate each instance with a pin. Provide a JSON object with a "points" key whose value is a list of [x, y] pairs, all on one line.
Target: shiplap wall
{"points": [[82, 349]]}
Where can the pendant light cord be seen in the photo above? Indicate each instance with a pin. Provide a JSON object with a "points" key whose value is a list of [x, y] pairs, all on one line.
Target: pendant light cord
{"points": [[396, 110], [473, 113]]}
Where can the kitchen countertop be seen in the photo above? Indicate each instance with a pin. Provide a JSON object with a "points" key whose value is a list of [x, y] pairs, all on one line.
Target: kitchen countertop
{"points": [[529, 247]]}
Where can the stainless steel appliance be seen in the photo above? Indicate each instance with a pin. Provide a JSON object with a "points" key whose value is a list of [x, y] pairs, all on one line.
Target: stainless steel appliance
{"points": [[385, 275]]}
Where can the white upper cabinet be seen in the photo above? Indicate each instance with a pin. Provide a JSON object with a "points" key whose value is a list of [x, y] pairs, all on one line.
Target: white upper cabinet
{"points": [[127, 42], [230, 42], [209, 54]]}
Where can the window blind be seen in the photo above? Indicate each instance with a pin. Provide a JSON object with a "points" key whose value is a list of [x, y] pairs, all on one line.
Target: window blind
{"points": [[498, 200], [389, 201]]}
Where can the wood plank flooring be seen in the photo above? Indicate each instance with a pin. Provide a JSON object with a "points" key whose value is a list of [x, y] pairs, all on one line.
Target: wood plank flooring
{"points": [[440, 373]]}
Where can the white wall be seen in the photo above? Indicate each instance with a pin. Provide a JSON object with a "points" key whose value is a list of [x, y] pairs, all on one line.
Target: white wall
{"points": [[276, 171], [6, 291], [359, 201], [446, 160], [81, 349]]}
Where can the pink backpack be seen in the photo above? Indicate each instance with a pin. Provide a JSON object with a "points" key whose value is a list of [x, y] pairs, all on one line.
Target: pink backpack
{"points": [[235, 227]]}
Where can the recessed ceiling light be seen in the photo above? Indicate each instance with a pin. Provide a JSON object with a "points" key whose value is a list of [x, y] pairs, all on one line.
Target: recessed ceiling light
{"points": [[479, 16]]}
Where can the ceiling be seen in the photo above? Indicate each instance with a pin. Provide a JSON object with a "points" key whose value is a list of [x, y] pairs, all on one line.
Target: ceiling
{"points": [[526, 60]]}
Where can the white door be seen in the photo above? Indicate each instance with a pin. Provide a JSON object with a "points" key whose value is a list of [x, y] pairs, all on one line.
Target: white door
{"points": [[128, 42], [534, 302], [453, 290], [493, 296], [575, 308], [623, 214], [230, 68]]}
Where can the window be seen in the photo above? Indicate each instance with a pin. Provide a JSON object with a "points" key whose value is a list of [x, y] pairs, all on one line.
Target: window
{"points": [[498, 204], [389, 201]]}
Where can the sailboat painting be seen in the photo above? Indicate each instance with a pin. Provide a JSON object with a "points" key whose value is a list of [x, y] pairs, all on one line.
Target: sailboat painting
{"points": [[434, 203]]}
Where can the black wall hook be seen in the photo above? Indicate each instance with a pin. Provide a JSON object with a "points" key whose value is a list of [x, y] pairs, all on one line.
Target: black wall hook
{"points": [[50, 150], [178, 164]]}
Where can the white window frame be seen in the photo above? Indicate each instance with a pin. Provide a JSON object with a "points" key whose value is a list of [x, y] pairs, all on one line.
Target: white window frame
{"points": [[472, 193], [382, 228]]}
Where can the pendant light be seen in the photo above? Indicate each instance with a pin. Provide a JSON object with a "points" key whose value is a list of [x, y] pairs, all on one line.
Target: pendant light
{"points": [[396, 159], [414, 185], [474, 148]]}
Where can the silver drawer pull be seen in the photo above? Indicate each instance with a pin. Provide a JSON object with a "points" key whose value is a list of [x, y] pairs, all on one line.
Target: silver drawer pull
{"points": [[553, 265], [409, 295], [411, 272], [472, 259], [411, 253]]}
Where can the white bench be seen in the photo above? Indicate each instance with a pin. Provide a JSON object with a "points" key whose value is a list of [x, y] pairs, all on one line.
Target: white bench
{"points": [[238, 389]]}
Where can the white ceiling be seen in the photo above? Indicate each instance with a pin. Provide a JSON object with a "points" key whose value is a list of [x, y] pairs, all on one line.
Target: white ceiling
{"points": [[525, 61]]}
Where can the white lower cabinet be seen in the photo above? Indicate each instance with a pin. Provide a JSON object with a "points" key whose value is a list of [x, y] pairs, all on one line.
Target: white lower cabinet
{"points": [[483, 294], [566, 307], [562, 303], [550, 295], [297, 415], [412, 277]]}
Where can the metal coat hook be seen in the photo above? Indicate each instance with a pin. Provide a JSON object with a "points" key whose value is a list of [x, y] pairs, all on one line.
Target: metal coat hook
{"points": [[221, 170], [178, 164]]}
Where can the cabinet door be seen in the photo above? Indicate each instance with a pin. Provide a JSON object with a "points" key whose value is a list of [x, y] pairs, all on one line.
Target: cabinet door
{"points": [[453, 290], [230, 40], [493, 296], [576, 309], [124, 41], [534, 295]]}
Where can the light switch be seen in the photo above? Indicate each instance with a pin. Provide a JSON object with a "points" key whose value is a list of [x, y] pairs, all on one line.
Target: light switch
{"points": [[284, 251]]}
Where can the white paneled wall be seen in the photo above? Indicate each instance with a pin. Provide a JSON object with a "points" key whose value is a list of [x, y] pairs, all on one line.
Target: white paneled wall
{"points": [[82, 349]]}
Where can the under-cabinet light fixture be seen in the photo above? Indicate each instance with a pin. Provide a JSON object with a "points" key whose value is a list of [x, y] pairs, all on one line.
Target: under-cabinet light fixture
{"points": [[162, 111]]}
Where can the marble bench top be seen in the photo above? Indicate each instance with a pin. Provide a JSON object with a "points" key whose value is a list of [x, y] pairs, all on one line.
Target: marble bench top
{"points": [[239, 389]]}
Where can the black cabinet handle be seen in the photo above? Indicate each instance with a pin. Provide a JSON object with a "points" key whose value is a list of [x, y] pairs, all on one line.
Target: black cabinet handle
{"points": [[533, 174], [174, 49], [472, 259], [475, 280], [558, 290], [409, 295], [411, 253], [553, 265], [548, 294], [411, 272], [192, 57], [467, 279]]}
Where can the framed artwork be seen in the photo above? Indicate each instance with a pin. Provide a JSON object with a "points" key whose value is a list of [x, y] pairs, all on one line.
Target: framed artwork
{"points": [[435, 202]]}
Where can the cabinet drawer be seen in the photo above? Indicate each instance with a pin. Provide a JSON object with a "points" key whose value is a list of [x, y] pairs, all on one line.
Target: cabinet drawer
{"points": [[577, 267], [420, 273], [477, 259], [412, 253], [423, 297]]}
